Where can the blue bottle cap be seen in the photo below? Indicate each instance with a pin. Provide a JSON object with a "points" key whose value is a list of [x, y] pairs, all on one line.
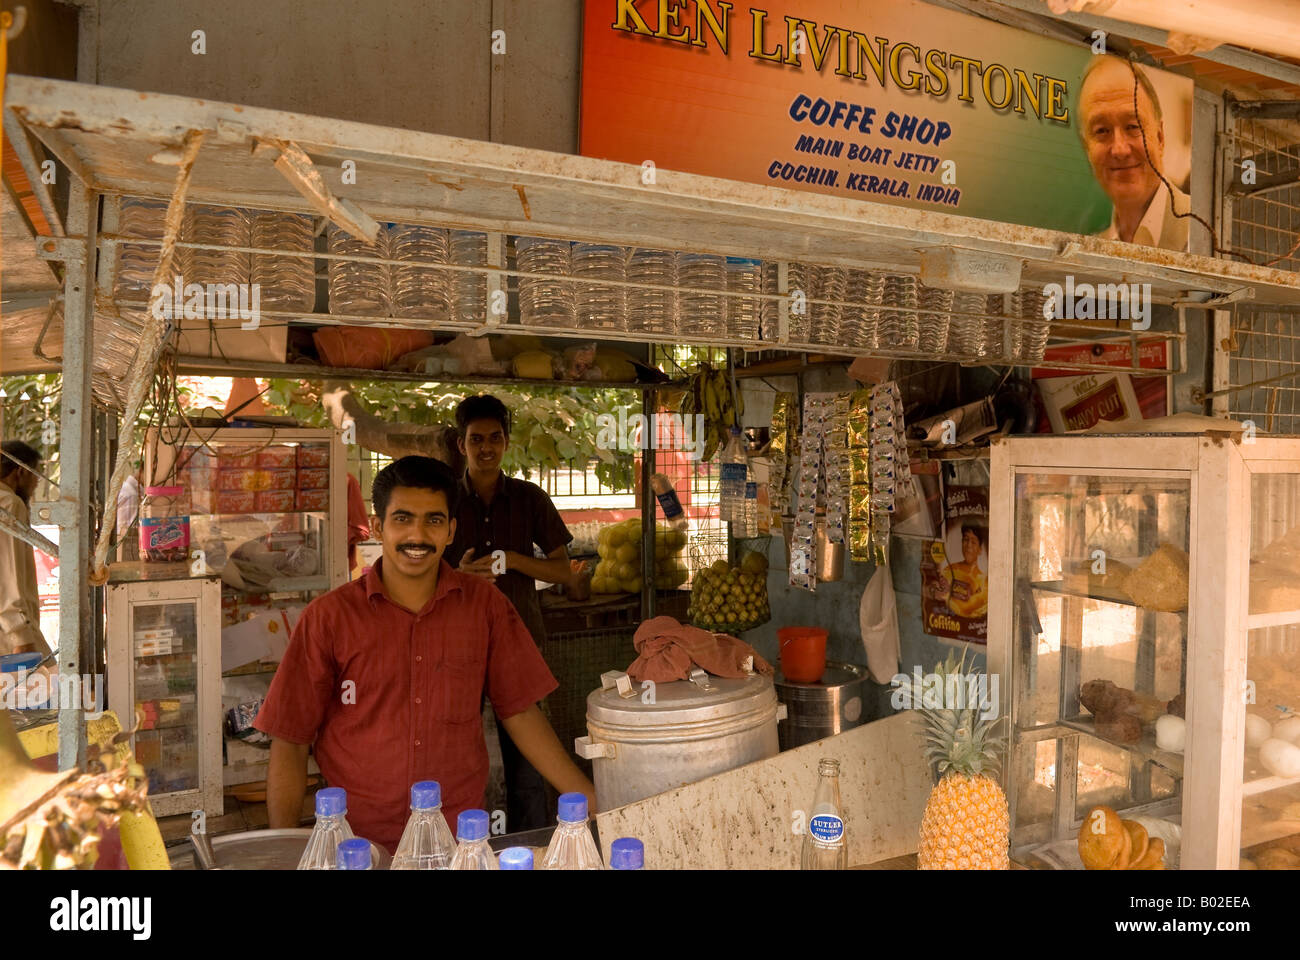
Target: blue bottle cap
{"points": [[426, 795], [626, 853], [472, 825], [516, 858], [573, 807], [331, 802], [353, 854]]}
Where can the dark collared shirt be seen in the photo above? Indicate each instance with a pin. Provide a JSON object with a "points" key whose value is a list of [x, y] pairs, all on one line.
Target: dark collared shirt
{"points": [[520, 515], [391, 697]]}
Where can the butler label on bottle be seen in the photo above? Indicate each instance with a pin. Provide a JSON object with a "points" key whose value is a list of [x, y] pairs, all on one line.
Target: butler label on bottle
{"points": [[826, 827]]}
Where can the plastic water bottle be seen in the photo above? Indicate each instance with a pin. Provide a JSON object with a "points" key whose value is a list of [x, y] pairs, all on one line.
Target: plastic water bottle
{"points": [[136, 263], [469, 287], [427, 843], [652, 310], [829, 283], [419, 291], [472, 850], [701, 313], [330, 830], [934, 326], [542, 302], [221, 226], [572, 846], [825, 844], [358, 287], [751, 505], [898, 327], [626, 853], [731, 485], [743, 277], [516, 858], [353, 854], [600, 307], [666, 493], [287, 283]]}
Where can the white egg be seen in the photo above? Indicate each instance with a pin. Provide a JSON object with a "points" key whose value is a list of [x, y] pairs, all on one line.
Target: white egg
{"points": [[1288, 730], [1171, 733], [1280, 758], [1257, 730]]}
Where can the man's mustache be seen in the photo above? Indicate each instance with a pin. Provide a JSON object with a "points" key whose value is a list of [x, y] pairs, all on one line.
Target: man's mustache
{"points": [[416, 546]]}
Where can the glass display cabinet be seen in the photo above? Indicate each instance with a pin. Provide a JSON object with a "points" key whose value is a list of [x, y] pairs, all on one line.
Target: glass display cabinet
{"points": [[1143, 617], [164, 640]]}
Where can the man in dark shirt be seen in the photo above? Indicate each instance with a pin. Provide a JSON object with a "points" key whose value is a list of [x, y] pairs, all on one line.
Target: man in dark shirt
{"points": [[499, 521]]}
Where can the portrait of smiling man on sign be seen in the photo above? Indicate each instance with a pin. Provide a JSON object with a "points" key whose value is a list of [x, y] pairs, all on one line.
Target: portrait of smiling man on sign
{"points": [[1125, 149]]}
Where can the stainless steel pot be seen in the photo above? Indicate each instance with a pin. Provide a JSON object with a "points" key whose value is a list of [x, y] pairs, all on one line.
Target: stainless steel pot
{"points": [[641, 745], [819, 710], [262, 850]]}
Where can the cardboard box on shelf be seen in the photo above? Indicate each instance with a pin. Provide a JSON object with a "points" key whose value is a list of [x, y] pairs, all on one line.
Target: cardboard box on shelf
{"points": [[255, 478], [313, 478], [278, 456], [273, 501], [313, 455], [313, 499], [235, 501]]}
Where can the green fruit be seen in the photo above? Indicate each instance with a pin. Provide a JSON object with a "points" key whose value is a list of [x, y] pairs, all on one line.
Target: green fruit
{"points": [[627, 553]]}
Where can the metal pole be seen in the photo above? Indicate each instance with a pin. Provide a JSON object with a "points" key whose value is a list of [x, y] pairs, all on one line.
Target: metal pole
{"points": [[647, 509], [73, 509]]}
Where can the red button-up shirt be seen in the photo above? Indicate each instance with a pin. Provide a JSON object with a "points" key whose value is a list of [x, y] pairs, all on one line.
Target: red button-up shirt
{"points": [[390, 697]]}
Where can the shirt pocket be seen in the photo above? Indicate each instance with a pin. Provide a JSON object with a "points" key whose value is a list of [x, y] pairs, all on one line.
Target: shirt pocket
{"points": [[461, 687]]}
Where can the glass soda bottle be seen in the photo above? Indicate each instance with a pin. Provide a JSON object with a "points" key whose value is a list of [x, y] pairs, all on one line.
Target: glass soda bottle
{"points": [[354, 854], [572, 846], [668, 501], [516, 858], [427, 843], [825, 845], [626, 853], [472, 850], [330, 830]]}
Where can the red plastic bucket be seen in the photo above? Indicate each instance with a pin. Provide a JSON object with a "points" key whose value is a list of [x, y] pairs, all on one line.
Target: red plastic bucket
{"points": [[803, 653]]}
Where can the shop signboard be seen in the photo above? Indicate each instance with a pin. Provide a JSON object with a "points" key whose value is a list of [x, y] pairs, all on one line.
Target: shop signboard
{"points": [[895, 101]]}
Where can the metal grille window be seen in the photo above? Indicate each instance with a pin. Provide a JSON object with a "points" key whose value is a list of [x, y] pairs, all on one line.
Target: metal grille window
{"points": [[1257, 356]]}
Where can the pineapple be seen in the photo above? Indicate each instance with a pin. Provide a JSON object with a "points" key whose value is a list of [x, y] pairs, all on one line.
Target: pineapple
{"points": [[965, 822]]}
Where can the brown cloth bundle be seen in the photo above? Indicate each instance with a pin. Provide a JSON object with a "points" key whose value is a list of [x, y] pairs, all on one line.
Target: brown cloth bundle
{"points": [[668, 649]]}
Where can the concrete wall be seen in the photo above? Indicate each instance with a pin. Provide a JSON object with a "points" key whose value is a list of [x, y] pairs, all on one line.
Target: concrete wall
{"points": [[402, 63]]}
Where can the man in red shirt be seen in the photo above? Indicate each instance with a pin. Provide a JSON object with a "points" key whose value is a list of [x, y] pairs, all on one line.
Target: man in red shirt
{"points": [[385, 675]]}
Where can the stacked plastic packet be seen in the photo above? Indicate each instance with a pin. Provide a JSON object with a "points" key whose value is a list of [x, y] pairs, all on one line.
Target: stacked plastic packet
{"points": [[835, 459], [935, 324], [785, 422], [829, 284], [898, 327], [859, 446], [1034, 312], [995, 326], [967, 336], [889, 464], [798, 291], [859, 328], [823, 470]]}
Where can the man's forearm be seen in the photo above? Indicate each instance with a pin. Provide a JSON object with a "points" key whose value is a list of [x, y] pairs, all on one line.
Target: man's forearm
{"points": [[537, 741], [286, 783], [552, 569]]}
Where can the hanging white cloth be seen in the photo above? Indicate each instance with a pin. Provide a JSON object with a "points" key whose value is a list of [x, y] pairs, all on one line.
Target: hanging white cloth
{"points": [[878, 617]]}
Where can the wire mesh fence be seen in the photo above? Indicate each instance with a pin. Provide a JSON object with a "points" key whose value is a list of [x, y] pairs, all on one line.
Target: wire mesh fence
{"points": [[1262, 196]]}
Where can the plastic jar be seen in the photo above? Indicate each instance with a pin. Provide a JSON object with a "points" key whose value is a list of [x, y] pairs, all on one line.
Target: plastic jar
{"points": [[165, 525]]}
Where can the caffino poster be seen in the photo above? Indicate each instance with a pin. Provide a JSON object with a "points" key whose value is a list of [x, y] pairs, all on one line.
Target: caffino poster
{"points": [[954, 570], [893, 101]]}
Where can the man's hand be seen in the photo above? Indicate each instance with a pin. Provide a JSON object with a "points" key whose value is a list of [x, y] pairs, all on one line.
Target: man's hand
{"points": [[478, 568], [286, 783], [536, 740]]}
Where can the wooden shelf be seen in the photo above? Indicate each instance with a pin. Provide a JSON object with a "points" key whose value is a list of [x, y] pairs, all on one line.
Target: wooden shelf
{"points": [[1279, 618], [1265, 784], [1059, 587]]}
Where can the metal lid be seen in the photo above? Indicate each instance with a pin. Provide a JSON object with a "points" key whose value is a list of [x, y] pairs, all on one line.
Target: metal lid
{"points": [[836, 674], [681, 701]]}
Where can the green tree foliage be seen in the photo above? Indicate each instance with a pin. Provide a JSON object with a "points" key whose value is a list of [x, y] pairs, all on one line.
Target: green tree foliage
{"points": [[553, 426]]}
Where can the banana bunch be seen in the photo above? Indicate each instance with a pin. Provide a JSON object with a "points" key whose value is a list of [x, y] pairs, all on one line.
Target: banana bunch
{"points": [[708, 392]]}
